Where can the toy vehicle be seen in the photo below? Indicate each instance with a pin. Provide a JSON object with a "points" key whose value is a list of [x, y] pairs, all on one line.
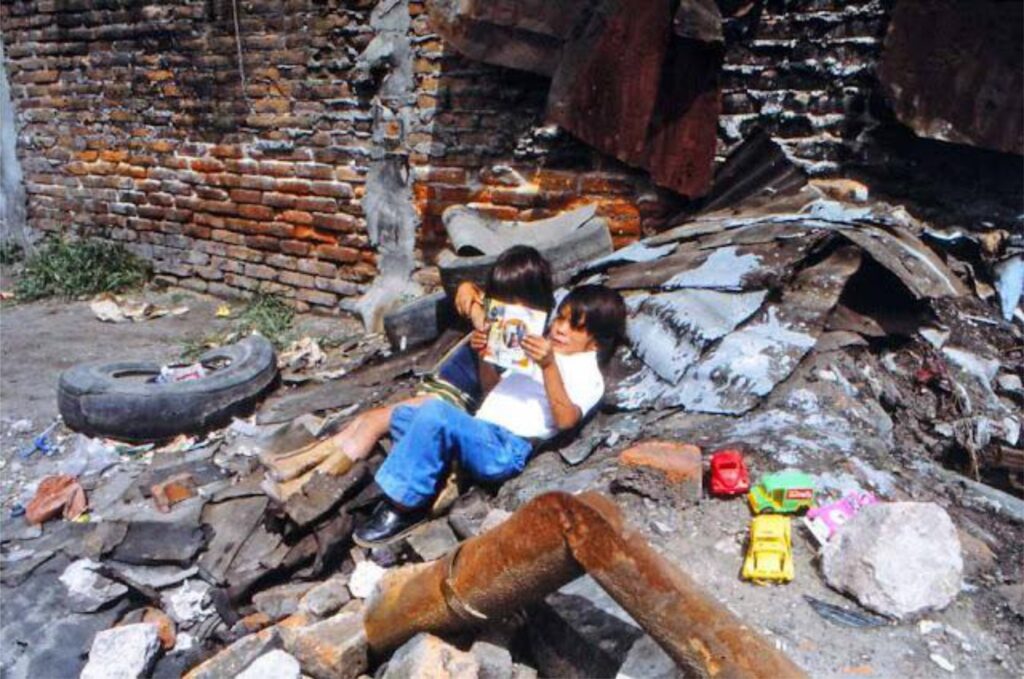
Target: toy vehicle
{"points": [[825, 521], [785, 492], [770, 555], [729, 474]]}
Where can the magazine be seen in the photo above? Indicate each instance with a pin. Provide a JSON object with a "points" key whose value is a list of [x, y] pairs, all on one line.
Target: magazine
{"points": [[509, 325]]}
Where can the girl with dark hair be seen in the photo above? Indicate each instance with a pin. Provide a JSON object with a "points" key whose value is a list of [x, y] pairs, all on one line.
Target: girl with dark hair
{"points": [[520, 275]]}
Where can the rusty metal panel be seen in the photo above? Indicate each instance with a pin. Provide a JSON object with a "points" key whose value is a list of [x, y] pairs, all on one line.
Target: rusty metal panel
{"points": [[606, 85], [954, 71]]}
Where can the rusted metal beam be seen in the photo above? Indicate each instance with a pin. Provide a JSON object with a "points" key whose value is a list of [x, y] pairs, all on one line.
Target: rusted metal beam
{"points": [[546, 544]]}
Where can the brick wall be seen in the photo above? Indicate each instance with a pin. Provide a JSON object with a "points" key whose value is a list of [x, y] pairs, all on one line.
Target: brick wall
{"points": [[135, 125]]}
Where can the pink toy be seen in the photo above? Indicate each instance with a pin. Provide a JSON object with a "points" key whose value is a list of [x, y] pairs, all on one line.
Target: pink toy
{"points": [[825, 521]]}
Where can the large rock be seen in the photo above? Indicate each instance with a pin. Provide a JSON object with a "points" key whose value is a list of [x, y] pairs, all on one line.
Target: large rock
{"points": [[897, 558], [125, 652], [427, 657]]}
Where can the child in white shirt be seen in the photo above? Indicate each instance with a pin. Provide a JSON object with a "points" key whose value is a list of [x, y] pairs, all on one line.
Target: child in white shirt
{"points": [[519, 409]]}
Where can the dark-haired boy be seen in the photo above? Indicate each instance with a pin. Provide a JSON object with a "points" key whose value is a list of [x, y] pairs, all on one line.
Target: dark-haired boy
{"points": [[519, 410]]}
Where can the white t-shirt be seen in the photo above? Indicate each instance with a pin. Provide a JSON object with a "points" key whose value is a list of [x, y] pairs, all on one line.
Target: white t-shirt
{"points": [[520, 404]]}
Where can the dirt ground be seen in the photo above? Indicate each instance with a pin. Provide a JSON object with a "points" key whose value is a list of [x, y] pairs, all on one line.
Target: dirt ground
{"points": [[39, 340]]}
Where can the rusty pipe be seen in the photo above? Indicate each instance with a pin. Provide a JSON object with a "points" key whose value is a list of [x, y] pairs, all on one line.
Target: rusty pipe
{"points": [[547, 543]]}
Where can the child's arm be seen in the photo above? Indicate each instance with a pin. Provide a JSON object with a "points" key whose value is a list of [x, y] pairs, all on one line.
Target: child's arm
{"points": [[469, 303], [488, 373], [566, 413]]}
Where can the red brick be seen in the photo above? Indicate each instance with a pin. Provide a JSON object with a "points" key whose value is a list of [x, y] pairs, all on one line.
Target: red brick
{"points": [[263, 243], [296, 217], [335, 222], [206, 165], [273, 168], [337, 253], [310, 204], [296, 186], [317, 297], [298, 280], [333, 189], [295, 247], [281, 200], [250, 211], [246, 196]]}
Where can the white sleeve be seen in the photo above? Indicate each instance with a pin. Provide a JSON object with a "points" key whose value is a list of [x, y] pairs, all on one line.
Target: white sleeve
{"points": [[584, 387]]}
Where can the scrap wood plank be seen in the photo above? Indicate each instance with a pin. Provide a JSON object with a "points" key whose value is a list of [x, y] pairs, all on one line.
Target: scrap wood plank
{"points": [[363, 386]]}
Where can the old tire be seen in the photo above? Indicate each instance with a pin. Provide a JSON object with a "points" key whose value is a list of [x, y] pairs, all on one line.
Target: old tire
{"points": [[117, 399]]}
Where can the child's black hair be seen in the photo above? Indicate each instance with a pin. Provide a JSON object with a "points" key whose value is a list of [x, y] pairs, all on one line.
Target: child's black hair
{"points": [[521, 275], [601, 311]]}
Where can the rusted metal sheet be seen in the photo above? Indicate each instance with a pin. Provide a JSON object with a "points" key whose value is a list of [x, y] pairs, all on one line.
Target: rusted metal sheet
{"points": [[541, 547], [523, 34], [954, 71], [606, 86], [684, 124]]}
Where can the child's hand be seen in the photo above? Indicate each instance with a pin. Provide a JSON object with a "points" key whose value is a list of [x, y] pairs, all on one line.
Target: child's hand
{"points": [[478, 340], [539, 350], [469, 303]]}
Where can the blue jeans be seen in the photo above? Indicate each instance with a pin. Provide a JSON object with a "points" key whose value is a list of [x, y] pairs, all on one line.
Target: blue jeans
{"points": [[430, 437]]}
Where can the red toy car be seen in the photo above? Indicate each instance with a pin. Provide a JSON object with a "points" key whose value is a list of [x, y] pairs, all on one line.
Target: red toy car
{"points": [[729, 473]]}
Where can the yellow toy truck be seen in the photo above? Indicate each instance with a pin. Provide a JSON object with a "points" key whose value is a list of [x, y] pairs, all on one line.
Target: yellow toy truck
{"points": [[770, 555]]}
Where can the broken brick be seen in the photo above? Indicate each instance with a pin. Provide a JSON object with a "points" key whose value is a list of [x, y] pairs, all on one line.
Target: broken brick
{"points": [[664, 471]]}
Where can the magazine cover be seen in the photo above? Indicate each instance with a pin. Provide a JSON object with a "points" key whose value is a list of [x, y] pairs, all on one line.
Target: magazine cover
{"points": [[510, 323]]}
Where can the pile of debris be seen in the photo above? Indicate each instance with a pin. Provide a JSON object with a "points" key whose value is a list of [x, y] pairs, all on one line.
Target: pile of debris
{"points": [[799, 326]]}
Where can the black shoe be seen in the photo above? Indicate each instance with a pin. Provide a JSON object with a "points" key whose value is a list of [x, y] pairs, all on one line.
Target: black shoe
{"points": [[386, 524]]}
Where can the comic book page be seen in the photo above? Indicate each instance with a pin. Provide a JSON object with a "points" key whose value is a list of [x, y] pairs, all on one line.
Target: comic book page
{"points": [[509, 324]]}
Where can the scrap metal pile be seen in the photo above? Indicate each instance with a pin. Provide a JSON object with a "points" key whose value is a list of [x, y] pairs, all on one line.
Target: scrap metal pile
{"points": [[796, 326]]}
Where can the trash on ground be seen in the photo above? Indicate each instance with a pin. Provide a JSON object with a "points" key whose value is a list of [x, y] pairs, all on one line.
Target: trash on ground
{"points": [[60, 494], [844, 616], [824, 521], [111, 308]]}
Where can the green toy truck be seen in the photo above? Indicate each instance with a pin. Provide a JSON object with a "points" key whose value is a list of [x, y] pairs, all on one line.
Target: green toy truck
{"points": [[785, 492]]}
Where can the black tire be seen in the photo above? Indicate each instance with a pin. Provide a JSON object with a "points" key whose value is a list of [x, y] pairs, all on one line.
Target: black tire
{"points": [[97, 399]]}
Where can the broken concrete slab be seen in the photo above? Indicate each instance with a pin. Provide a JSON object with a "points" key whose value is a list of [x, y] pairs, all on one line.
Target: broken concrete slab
{"points": [[323, 492], [332, 649], [157, 577], [188, 603], [87, 589], [897, 559], [153, 544], [426, 656], [231, 522], [125, 652], [432, 540], [326, 597], [273, 665], [233, 660], [281, 601]]}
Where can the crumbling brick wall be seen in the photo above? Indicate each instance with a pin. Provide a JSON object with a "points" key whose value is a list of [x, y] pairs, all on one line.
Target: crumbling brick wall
{"points": [[138, 123]]}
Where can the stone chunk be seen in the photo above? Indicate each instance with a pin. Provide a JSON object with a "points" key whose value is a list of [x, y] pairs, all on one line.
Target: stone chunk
{"points": [[364, 579], [125, 652], [897, 558], [236, 657], [495, 661], [467, 514], [274, 665], [89, 591], [665, 471], [647, 660], [427, 657], [332, 649], [327, 597], [281, 601], [433, 540]]}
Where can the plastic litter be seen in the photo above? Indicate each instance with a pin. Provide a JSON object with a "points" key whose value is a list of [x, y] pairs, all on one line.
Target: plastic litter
{"points": [[56, 494], [89, 456], [170, 374], [43, 442], [844, 616], [826, 520]]}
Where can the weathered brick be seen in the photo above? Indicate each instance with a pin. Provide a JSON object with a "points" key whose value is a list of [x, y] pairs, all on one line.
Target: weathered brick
{"points": [[336, 253], [299, 280], [317, 297]]}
